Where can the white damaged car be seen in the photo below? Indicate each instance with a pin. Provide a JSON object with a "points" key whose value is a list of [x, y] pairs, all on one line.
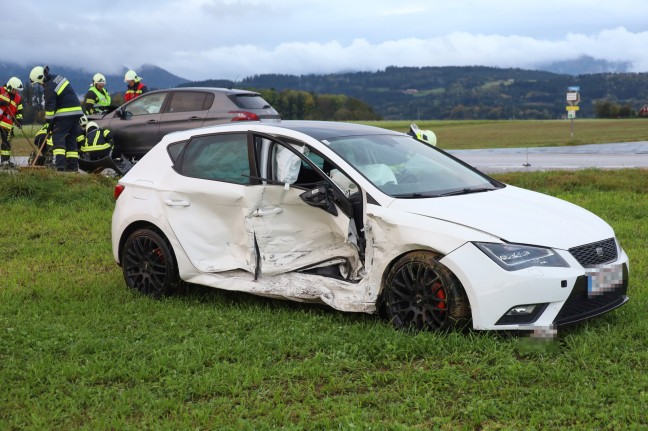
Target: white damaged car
{"points": [[362, 219]]}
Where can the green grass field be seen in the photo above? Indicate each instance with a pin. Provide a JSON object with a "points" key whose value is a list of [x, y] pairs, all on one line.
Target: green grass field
{"points": [[78, 351]]}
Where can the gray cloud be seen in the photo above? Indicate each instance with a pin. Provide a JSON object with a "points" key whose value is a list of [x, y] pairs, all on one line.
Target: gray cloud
{"points": [[200, 39]]}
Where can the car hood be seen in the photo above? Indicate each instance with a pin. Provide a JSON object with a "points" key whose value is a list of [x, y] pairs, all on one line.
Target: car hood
{"points": [[515, 215]]}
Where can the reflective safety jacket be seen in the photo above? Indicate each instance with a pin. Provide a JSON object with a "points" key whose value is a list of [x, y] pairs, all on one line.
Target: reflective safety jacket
{"points": [[60, 98], [10, 108], [97, 140], [96, 98], [137, 89]]}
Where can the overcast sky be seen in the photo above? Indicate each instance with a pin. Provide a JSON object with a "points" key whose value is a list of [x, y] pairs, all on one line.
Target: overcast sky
{"points": [[233, 39]]}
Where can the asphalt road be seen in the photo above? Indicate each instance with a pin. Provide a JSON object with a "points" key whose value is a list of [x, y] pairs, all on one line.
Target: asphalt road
{"points": [[603, 156]]}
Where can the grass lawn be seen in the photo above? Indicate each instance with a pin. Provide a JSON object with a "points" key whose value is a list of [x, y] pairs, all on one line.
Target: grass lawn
{"points": [[80, 351]]}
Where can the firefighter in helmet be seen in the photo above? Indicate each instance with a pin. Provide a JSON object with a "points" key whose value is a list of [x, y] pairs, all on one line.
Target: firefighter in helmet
{"points": [[10, 116]]}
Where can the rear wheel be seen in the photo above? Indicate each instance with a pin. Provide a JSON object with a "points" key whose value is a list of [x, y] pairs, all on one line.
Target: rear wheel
{"points": [[148, 264], [422, 294]]}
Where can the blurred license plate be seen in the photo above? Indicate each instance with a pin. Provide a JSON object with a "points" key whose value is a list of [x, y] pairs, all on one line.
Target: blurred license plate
{"points": [[604, 279]]}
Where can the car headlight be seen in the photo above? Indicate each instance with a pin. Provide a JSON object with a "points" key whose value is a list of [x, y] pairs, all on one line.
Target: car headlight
{"points": [[512, 257]]}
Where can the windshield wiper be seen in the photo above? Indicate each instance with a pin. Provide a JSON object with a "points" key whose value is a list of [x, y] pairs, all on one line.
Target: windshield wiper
{"points": [[415, 195], [467, 190]]}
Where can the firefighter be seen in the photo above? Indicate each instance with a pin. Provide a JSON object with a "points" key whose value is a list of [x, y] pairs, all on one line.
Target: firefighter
{"points": [[10, 116], [62, 114], [97, 99], [135, 86], [98, 142]]}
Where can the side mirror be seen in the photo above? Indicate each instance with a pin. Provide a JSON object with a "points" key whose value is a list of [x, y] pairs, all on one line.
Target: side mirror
{"points": [[321, 197], [125, 115]]}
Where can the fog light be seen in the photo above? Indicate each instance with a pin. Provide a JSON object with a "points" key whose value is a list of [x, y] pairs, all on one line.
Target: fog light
{"points": [[522, 310], [521, 314]]}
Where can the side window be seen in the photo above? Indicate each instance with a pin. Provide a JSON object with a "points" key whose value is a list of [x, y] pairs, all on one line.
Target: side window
{"points": [[184, 101], [147, 104], [218, 158]]}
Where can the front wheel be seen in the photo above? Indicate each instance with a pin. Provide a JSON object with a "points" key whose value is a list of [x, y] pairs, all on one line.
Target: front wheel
{"points": [[422, 294], [148, 264]]}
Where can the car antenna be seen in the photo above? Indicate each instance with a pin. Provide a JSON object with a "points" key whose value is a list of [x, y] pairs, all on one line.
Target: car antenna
{"points": [[233, 83]]}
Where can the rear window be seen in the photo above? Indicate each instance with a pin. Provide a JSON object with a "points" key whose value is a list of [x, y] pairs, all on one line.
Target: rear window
{"points": [[250, 101]]}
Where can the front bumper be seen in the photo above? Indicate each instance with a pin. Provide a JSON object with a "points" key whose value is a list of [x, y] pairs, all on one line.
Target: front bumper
{"points": [[561, 294]]}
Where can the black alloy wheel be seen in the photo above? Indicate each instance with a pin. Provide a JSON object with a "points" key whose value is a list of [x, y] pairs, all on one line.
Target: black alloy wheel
{"points": [[148, 264], [422, 294]]}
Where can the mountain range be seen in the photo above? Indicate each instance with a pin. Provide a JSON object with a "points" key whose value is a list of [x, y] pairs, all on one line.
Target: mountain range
{"points": [[452, 92]]}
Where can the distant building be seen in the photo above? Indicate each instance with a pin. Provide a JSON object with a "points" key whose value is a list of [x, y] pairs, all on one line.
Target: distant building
{"points": [[643, 112]]}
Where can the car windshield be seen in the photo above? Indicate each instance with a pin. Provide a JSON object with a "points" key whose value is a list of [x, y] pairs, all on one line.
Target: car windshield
{"points": [[402, 167]]}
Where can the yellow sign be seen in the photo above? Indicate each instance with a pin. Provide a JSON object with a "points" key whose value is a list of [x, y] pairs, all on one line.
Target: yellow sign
{"points": [[572, 108]]}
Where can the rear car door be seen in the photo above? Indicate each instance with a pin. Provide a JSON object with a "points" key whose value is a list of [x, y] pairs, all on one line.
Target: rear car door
{"points": [[185, 110]]}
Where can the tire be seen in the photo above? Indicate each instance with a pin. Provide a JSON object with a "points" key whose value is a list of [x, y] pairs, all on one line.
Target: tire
{"points": [[149, 265], [422, 294]]}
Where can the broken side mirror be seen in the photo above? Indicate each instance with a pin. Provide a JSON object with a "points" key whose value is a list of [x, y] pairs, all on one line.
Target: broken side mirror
{"points": [[321, 197]]}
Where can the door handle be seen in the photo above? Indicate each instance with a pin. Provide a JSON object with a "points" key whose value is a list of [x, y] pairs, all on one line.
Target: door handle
{"points": [[176, 203], [152, 122], [260, 212], [194, 118]]}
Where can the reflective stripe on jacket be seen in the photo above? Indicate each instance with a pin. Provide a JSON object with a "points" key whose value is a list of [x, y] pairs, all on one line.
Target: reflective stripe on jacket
{"points": [[133, 91], [97, 98], [97, 140], [60, 98], [10, 108]]}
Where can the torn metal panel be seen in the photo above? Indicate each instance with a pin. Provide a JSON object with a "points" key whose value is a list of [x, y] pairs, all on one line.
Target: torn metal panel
{"points": [[291, 235], [338, 294], [221, 242]]}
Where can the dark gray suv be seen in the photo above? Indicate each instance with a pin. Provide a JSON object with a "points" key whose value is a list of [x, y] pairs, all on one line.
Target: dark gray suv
{"points": [[140, 124]]}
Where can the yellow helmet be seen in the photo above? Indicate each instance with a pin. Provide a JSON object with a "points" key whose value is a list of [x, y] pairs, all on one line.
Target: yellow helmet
{"points": [[14, 84], [37, 75], [131, 76], [98, 78]]}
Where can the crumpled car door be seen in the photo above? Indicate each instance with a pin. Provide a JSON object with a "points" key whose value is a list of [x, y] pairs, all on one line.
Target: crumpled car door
{"points": [[292, 235]]}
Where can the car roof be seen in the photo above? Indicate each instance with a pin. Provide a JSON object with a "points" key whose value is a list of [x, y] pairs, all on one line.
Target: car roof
{"points": [[322, 130], [212, 89]]}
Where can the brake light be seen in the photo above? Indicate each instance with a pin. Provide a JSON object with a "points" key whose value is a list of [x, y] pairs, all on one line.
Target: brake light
{"points": [[119, 188], [244, 116]]}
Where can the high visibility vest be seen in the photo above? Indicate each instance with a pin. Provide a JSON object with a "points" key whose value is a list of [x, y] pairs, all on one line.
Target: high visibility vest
{"points": [[102, 97], [10, 108]]}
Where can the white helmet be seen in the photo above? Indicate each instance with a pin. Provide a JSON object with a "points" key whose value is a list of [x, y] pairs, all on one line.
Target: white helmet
{"points": [[83, 120], [14, 84], [98, 78], [131, 76], [37, 75], [91, 125]]}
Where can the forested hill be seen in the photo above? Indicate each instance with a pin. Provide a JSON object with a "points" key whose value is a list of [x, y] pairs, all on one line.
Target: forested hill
{"points": [[400, 93]]}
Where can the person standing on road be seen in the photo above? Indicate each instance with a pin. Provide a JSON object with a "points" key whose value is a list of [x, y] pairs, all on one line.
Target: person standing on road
{"points": [[10, 116], [135, 86], [97, 99], [62, 114]]}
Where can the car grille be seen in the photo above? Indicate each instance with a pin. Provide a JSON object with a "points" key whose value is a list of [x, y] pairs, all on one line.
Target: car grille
{"points": [[596, 253], [581, 306]]}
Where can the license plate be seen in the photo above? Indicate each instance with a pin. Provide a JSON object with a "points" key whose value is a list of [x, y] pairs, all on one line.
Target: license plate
{"points": [[604, 279]]}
